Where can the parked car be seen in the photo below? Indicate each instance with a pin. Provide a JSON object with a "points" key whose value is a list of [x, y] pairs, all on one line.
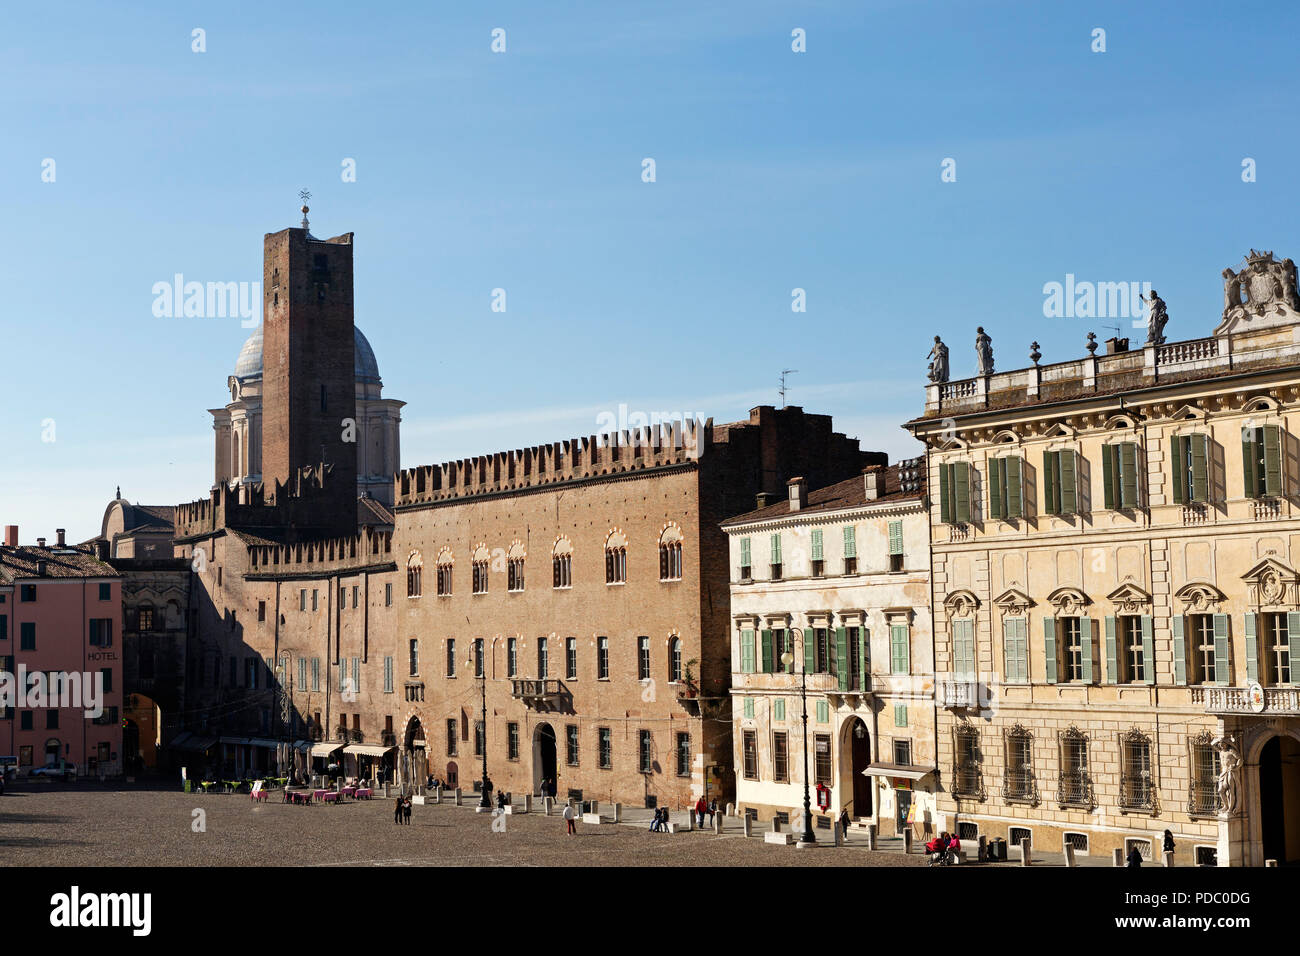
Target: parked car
{"points": [[8, 766], [60, 769]]}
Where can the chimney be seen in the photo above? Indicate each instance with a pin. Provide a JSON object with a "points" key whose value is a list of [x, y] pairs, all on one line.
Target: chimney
{"points": [[760, 499], [101, 549], [11, 535], [873, 478], [40, 542], [798, 493], [1114, 346], [58, 532]]}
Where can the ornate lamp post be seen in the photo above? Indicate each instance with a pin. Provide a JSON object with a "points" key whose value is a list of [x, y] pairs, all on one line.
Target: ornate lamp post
{"points": [[788, 660]]}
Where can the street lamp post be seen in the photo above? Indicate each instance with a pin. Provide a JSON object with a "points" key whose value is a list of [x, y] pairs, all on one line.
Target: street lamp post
{"points": [[788, 660]]}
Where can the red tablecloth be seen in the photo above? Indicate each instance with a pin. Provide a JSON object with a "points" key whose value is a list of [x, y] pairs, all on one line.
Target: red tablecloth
{"points": [[364, 793], [330, 796]]}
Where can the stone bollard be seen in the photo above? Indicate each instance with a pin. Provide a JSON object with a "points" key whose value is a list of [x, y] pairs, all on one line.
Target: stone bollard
{"points": [[731, 809], [717, 824], [528, 803], [547, 803], [618, 813], [983, 849], [839, 839], [907, 840], [749, 825], [1026, 853], [871, 836], [1117, 857], [1169, 857], [1068, 849], [437, 794], [458, 796], [595, 806]]}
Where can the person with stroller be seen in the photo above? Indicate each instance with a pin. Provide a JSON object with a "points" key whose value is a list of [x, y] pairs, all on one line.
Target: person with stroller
{"points": [[938, 849]]}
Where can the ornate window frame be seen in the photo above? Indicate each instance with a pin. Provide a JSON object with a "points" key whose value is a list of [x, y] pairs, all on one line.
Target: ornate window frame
{"points": [[1149, 801], [967, 775], [1085, 797], [1029, 794]]}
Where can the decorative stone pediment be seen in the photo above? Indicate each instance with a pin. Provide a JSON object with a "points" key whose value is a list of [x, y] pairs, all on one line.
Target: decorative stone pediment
{"points": [[1187, 413], [1118, 422], [1006, 437], [1199, 598], [1068, 601], [1129, 597], [1262, 294], [1014, 602], [961, 603], [1271, 583]]}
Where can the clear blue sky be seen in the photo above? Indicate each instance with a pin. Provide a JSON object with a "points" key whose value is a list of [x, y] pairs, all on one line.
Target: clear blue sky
{"points": [[522, 171]]}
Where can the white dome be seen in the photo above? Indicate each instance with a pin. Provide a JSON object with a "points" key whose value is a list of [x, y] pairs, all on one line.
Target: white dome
{"points": [[249, 363]]}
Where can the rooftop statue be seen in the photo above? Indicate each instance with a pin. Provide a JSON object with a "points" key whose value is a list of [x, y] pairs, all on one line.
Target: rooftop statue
{"points": [[1157, 318], [939, 367], [983, 352]]}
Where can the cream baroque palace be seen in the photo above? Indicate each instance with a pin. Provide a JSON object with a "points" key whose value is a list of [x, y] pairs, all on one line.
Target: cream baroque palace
{"points": [[1114, 548]]}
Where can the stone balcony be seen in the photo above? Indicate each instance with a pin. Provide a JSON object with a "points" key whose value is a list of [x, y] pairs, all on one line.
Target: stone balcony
{"points": [[958, 694], [1238, 700], [539, 694]]}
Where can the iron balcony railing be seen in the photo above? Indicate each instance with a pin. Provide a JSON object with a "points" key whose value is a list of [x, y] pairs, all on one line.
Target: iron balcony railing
{"points": [[531, 689], [1136, 791], [1074, 789], [1203, 799], [1019, 785]]}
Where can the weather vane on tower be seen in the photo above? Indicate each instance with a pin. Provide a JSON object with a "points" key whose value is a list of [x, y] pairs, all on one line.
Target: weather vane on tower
{"points": [[304, 195]]}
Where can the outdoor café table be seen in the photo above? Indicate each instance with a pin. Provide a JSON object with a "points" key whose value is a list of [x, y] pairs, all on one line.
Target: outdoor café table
{"points": [[349, 792], [331, 796], [364, 793], [318, 794], [303, 797]]}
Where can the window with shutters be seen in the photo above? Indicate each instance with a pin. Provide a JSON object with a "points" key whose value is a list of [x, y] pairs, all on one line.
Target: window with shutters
{"points": [[1018, 781], [1203, 788], [963, 648], [747, 708], [823, 711], [822, 659], [782, 641], [1074, 788], [746, 561], [1006, 487], [1133, 664], [388, 675], [781, 757], [967, 760], [775, 564], [1275, 649], [850, 549], [895, 546], [747, 658], [954, 492], [749, 753], [1015, 650], [1261, 455], [1136, 785], [1201, 650], [1189, 468], [616, 558], [818, 559], [670, 554], [1060, 482], [315, 674], [857, 663], [1120, 475], [1069, 649], [900, 656]]}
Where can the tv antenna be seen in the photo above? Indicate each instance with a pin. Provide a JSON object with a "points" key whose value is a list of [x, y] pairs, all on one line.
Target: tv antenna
{"points": [[782, 390]]}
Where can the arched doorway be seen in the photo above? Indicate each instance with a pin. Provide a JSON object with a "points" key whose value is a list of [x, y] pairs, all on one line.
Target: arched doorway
{"points": [[855, 756], [453, 776], [415, 767], [545, 765], [52, 751], [1279, 799]]}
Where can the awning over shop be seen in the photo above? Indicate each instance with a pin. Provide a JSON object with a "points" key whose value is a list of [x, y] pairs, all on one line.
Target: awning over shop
{"points": [[905, 772], [263, 742], [302, 745], [188, 741], [324, 750], [235, 741], [367, 750]]}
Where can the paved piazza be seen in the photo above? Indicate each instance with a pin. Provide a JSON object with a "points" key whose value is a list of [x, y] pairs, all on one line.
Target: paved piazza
{"points": [[87, 825]]}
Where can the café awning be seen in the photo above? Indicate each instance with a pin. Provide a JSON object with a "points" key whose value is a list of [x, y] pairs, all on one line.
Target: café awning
{"points": [[905, 772], [262, 742], [189, 741], [324, 750], [367, 750]]}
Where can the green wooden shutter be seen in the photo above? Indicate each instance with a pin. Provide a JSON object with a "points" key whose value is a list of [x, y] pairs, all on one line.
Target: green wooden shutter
{"points": [[1051, 493], [945, 500], [1272, 460], [1009, 666], [1250, 462], [898, 650], [850, 541], [1112, 655], [776, 549], [1178, 466], [823, 712], [766, 638], [895, 537], [995, 488], [1148, 650], [778, 709], [1222, 651], [864, 666], [748, 707], [817, 544], [1200, 469], [961, 491], [1293, 645], [1180, 651], [1085, 648], [747, 651], [1108, 469], [1252, 649], [809, 651], [842, 658], [1015, 494], [1069, 496], [744, 553], [1128, 475], [1049, 648]]}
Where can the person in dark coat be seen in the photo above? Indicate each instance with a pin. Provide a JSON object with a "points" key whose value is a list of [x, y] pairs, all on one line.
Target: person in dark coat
{"points": [[397, 811], [1134, 857], [1169, 842], [844, 823], [406, 811]]}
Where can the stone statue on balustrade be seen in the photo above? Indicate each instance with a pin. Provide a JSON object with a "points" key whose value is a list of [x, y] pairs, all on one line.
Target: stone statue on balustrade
{"points": [[939, 367], [1157, 318], [983, 352]]}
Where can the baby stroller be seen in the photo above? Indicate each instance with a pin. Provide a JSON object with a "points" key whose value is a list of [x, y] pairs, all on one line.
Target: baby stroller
{"points": [[940, 853]]}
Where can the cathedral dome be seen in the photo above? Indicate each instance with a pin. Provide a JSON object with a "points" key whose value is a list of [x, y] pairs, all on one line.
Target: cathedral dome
{"points": [[249, 363]]}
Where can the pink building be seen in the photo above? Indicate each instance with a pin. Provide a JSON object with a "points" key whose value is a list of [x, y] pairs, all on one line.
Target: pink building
{"points": [[60, 614]]}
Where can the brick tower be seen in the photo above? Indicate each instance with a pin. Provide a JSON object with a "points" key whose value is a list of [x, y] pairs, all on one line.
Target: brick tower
{"points": [[308, 382]]}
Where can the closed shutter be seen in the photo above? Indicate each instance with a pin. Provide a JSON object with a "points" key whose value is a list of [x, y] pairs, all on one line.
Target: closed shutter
{"points": [[817, 544], [749, 707], [1013, 641], [1128, 475], [778, 709], [809, 651], [1252, 649], [842, 658], [388, 675], [747, 651], [356, 674], [1222, 652], [1085, 650], [1112, 655], [1051, 490], [1272, 460], [898, 649], [767, 652], [1200, 469], [961, 491], [744, 553], [1109, 453], [1180, 650], [945, 501], [1250, 462], [963, 639], [823, 712], [1068, 493], [776, 549], [995, 488], [1148, 651], [1293, 645], [864, 666], [850, 542], [895, 537], [1178, 466], [1015, 494], [1049, 648]]}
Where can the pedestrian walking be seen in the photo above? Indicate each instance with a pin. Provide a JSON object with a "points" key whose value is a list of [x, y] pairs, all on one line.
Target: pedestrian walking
{"points": [[844, 823], [701, 807], [1134, 857], [406, 811], [568, 819], [713, 810], [1169, 842], [397, 811]]}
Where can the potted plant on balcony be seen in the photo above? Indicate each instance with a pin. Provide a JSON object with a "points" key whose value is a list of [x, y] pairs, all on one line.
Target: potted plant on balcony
{"points": [[691, 689]]}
